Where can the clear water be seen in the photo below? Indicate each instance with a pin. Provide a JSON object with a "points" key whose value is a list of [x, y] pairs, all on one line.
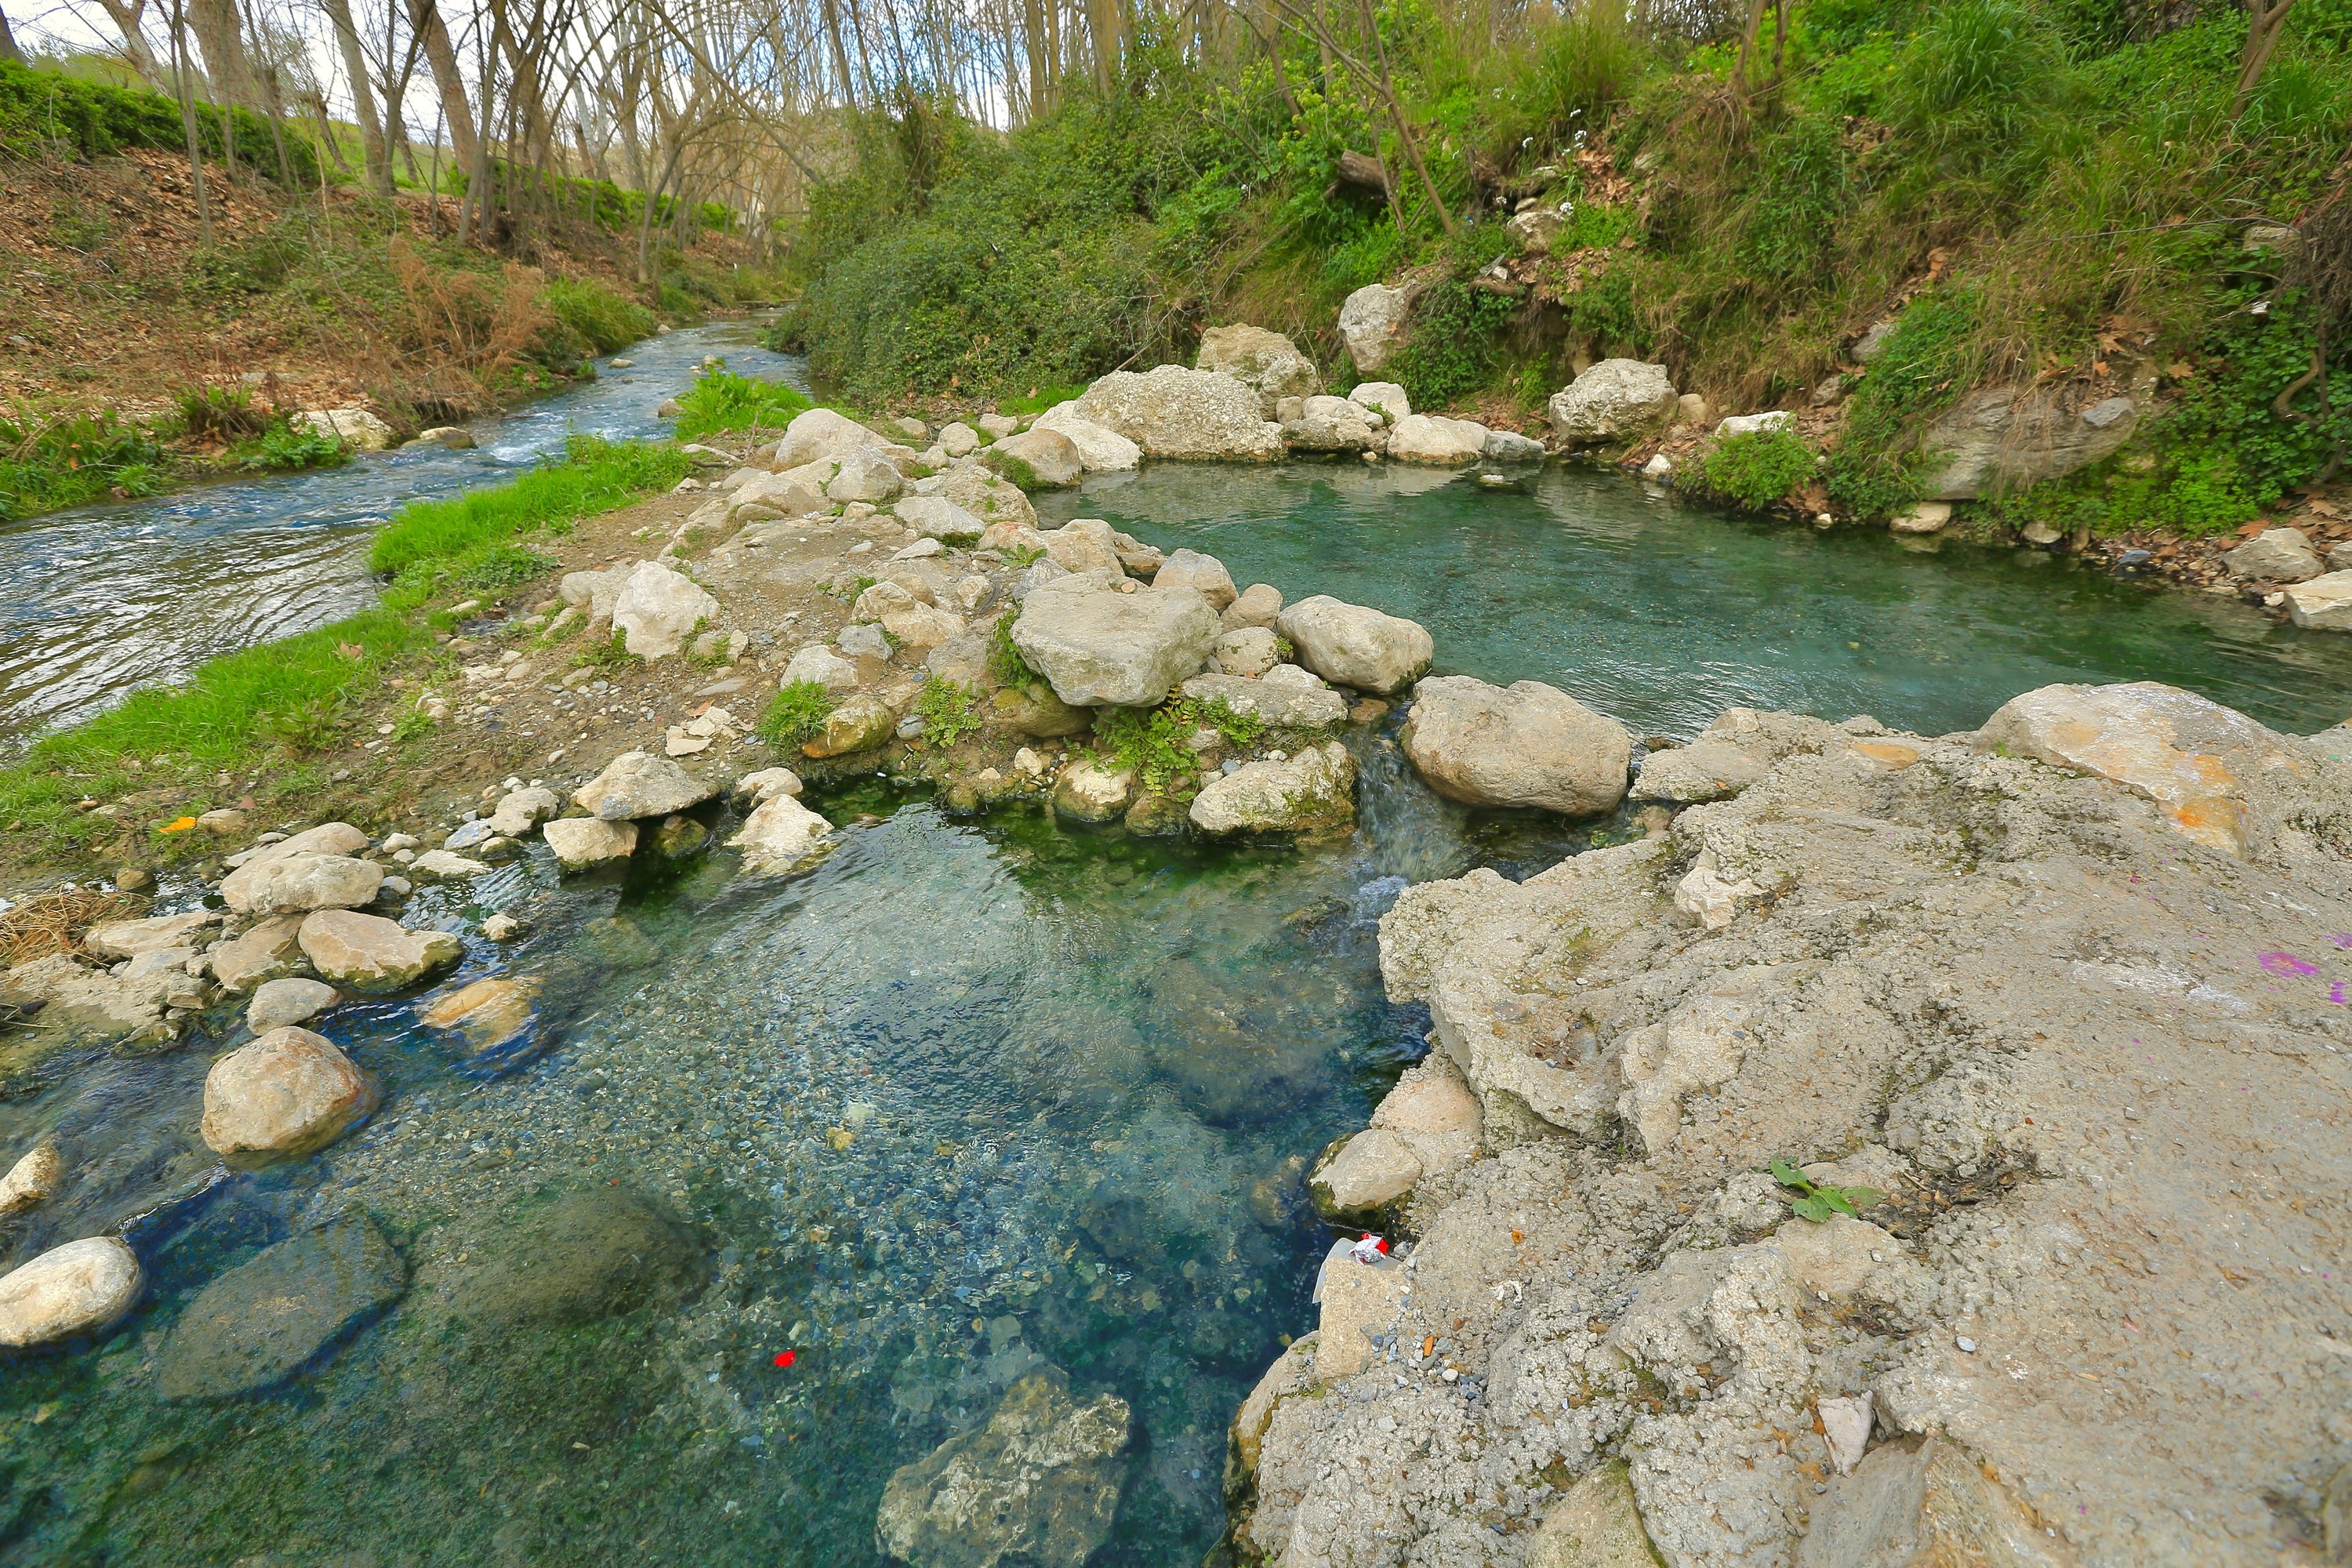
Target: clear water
{"points": [[103, 598], [974, 1096]]}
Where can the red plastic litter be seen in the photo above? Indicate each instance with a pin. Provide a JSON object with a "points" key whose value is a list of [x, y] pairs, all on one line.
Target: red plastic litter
{"points": [[786, 1358]]}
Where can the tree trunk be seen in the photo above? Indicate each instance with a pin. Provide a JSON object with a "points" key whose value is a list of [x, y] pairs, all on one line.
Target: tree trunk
{"points": [[125, 15], [8, 50], [355, 66], [441, 57], [221, 35], [2265, 19], [181, 71]]}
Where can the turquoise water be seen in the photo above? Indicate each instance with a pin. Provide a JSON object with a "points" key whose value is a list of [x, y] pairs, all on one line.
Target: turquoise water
{"points": [[973, 1097]]}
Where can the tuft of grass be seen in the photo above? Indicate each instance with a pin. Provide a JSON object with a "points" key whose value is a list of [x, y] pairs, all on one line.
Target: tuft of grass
{"points": [[721, 400], [1005, 661], [607, 654], [949, 712], [593, 475], [603, 320], [65, 461], [795, 713], [220, 414]]}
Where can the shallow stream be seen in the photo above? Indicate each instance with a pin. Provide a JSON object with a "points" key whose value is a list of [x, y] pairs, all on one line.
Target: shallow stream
{"points": [[970, 1098]]}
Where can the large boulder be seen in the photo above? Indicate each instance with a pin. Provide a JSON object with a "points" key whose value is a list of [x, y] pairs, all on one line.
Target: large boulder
{"points": [[281, 1310], [1101, 448], [1528, 744], [1372, 322], [1172, 412], [1097, 646], [781, 836], [1084, 544], [2323, 602], [2194, 758], [1438, 441], [939, 518], [77, 1289], [1385, 398], [286, 1094], [658, 609], [1331, 424], [1616, 401], [1205, 574], [638, 784], [373, 956], [819, 434], [262, 953], [860, 724], [1313, 791], [1038, 459], [1267, 361], [1283, 704], [295, 884], [354, 427], [866, 475], [2276, 556], [1038, 1484], [1352, 645], [586, 843], [2008, 437], [987, 496]]}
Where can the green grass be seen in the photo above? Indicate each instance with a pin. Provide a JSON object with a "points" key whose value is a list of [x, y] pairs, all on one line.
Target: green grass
{"points": [[70, 460], [721, 400], [260, 711], [949, 712], [795, 713], [1759, 468], [45, 113], [282, 448], [603, 320]]}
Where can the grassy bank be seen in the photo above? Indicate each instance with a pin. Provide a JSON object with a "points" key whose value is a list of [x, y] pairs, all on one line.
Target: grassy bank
{"points": [[2057, 191], [264, 723]]}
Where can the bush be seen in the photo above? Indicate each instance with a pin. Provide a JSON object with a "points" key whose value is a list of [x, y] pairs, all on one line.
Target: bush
{"points": [[948, 712], [721, 400], [1155, 743], [601, 320], [795, 713], [42, 113], [1926, 362], [220, 414], [1758, 467], [1450, 351]]}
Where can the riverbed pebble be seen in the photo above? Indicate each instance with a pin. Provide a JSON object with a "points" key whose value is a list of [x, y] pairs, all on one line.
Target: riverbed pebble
{"points": [[76, 1288]]}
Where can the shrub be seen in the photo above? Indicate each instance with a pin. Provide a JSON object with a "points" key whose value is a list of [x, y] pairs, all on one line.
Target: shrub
{"points": [[1155, 743], [66, 461], [1451, 350], [220, 414], [721, 400], [796, 712], [1757, 468], [1927, 361], [601, 320]]}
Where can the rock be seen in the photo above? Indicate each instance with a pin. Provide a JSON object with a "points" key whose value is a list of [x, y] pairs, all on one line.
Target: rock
{"points": [[77, 1289], [1033, 712], [443, 865], [354, 427], [1090, 792], [2194, 758], [1038, 459], [1085, 545], [939, 518], [298, 883], [595, 592], [1690, 408], [1172, 412], [781, 836], [1372, 322], [1038, 1484], [1536, 229], [1102, 449], [278, 1002], [818, 665], [1435, 439], [1924, 1504], [487, 1012], [997, 427], [520, 811], [959, 439], [912, 428], [1362, 1174], [577, 1258], [1755, 424], [1249, 652], [1267, 361], [963, 659], [866, 475], [859, 724], [1313, 791], [1328, 425], [865, 640], [33, 1180], [1096, 647], [133, 880], [658, 609], [584, 842], [2276, 556], [1729, 755], [1257, 605], [818, 435], [1352, 645], [1595, 1525], [1510, 446], [1922, 517], [1385, 398], [1526, 745], [1616, 401], [986, 496], [222, 822], [676, 837], [111, 941], [2008, 437], [778, 495], [455, 438], [1359, 1300], [1845, 1425], [502, 926], [920, 626], [269, 949], [1282, 705], [286, 1094], [759, 787], [373, 956], [1660, 467], [638, 784], [281, 1310], [1205, 574], [2323, 602]]}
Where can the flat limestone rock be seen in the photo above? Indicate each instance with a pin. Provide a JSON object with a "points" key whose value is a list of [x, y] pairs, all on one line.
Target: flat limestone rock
{"points": [[268, 949], [373, 956], [1038, 1484], [286, 1094], [1527, 744], [1924, 1505], [1101, 448], [77, 1289], [637, 785], [1437, 441], [2323, 602], [584, 842], [296, 884], [1098, 647], [111, 941], [1363, 1174], [277, 1313], [1595, 1525]]}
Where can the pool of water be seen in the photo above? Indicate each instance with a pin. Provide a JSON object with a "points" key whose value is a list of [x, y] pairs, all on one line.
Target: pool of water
{"points": [[973, 1098], [104, 598]]}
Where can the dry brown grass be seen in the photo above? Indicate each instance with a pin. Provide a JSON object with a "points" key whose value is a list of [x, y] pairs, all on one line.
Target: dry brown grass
{"points": [[53, 922]]}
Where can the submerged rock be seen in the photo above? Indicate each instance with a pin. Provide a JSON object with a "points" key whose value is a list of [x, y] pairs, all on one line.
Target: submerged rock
{"points": [[488, 1012], [1311, 793], [575, 1258], [1038, 1484], [279, 1310], [373, 956], [77, 1289], [288, 1094], [782, 836], [1524, 745]]}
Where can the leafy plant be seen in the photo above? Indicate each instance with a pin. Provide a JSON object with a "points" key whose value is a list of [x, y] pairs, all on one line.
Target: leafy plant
{"points": [[1816, 1201], [285, 448], [721, 400], [1757, 468], [220, 414], [1450, 350], [796, 712], [610, 654], [1005, 660], [948, 710], [1156, 744], [501, 568]]}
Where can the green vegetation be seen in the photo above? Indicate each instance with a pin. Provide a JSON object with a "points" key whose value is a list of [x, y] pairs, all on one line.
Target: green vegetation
{"points": [[267, 706], [281, 447], [1156, 744], [1005, 661], [1816, 1201], [2043, 192], [949, 711], [795, 713], [721, 400], [47, 112], [66, 461], [601, 319], [1758, 467]]}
